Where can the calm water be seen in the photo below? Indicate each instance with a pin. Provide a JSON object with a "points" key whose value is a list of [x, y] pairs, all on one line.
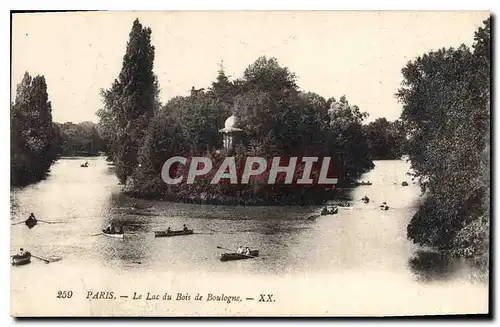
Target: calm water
{"points": [[359, 240]]}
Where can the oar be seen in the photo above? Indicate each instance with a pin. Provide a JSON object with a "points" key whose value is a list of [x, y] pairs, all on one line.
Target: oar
{"points": [[46, 261], [49, 222], [220, 247], [25, 222], [97, 234], [38, 220], [205, 233], [247, 255]]}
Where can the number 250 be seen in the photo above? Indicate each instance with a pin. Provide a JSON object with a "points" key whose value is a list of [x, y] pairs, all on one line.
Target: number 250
{"points": [[64, 294]]}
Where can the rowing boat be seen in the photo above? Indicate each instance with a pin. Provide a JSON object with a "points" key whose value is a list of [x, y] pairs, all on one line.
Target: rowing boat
{"points": [[117, 235], [343, 204], [333, 211], [30, 222], [237, 256], [173, 233], [18, 260], [363, 183]]}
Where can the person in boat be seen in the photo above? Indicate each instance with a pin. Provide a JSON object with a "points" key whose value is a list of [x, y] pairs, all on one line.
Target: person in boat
{"points": [[32, 217], [185, 228], [21, 253], [247, 250], [169, 230], [239, 250], [384, 206], [109, 229]]}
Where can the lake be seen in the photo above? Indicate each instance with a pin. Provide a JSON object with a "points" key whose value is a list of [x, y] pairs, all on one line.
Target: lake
{"points": [[361, 250]]}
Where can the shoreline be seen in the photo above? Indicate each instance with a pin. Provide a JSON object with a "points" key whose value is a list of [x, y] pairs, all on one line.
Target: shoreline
{"points": [[205, 198], [226, 201]]}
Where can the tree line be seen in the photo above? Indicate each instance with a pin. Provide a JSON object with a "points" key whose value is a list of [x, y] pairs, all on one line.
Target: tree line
{"points": [[81, 139], [446, 115], [33, 136], [386, 139], [36, 141], [278, 118]]}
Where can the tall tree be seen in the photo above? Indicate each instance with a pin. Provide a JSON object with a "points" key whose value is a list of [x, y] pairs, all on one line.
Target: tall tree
{"points": [[33, 138], [131, 101], [224, 92], [445, 96], [345, 138], [266, 75], [79, 139], [222, 88], [386, 139]]}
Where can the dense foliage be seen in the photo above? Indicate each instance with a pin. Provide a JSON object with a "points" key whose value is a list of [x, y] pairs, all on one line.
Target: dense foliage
{"points": [[34, 138], [79, 139], [446, 112], [386, 140], [278, 119], [130, 102]]}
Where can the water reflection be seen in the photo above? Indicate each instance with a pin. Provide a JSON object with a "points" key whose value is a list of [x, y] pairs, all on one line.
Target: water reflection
{"points": [[431, 266], [358, 239], [14, 205], [342, 194]]}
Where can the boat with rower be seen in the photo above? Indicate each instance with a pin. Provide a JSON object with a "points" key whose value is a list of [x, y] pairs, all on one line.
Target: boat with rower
{"points": [[19, 260], [112, 231], [31, 222], [170, 233], [239, 256], [343, 204], [363, 183], [329, 211], [116, 235]]}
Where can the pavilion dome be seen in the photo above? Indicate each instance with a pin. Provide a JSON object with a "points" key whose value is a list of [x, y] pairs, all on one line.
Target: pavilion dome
{"points": [[232, 124]]}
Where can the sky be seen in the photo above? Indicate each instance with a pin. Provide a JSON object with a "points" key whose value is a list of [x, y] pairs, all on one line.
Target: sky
{"points": [[356, 54]]}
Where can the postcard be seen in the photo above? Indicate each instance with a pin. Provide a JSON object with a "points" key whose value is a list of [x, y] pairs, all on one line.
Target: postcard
{"points": [[250, 164]]}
